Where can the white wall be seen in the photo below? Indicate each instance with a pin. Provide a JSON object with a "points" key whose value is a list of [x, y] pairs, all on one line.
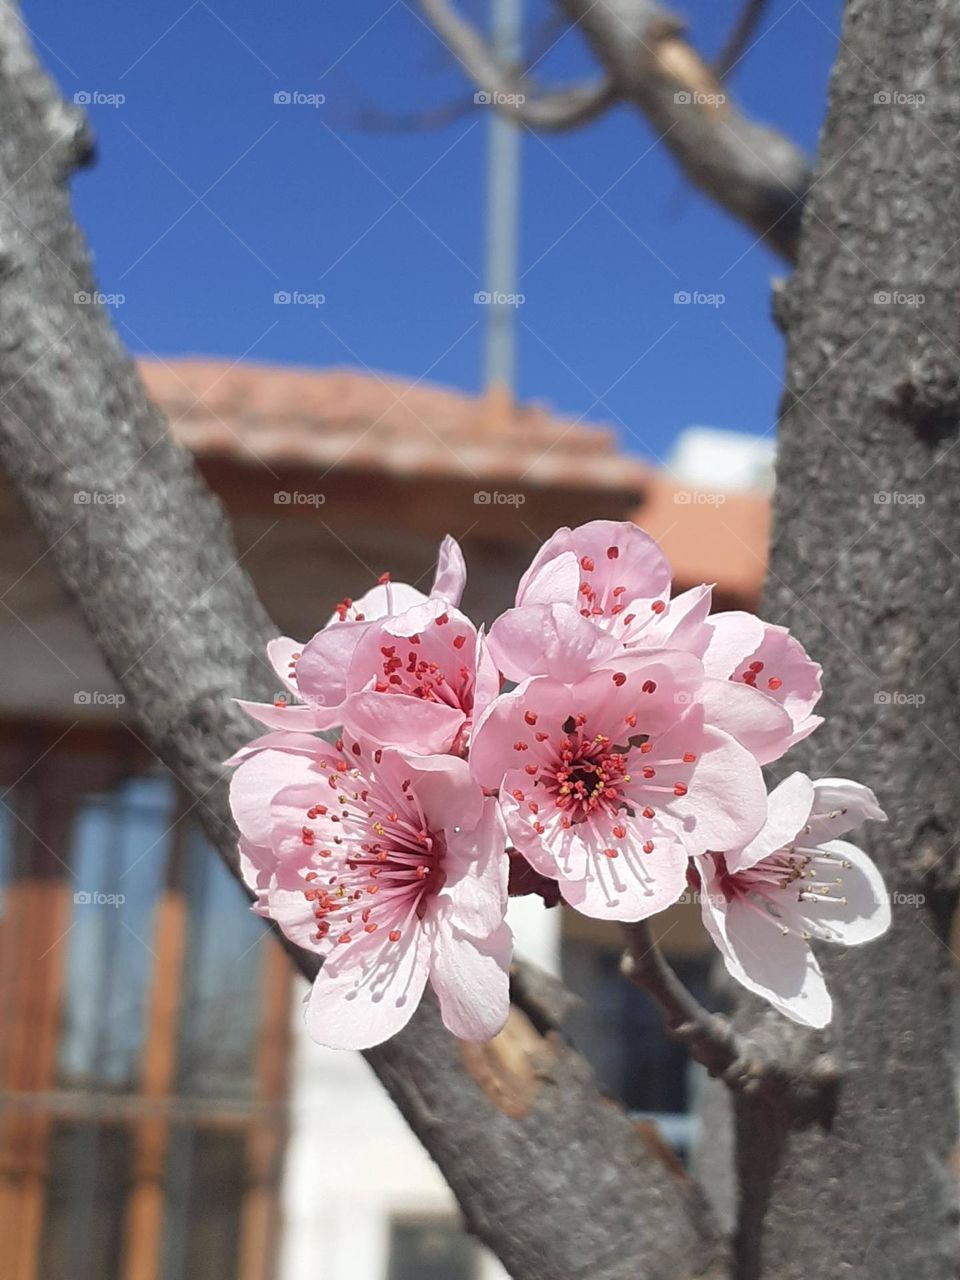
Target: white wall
{"points": [[352, 1163]]}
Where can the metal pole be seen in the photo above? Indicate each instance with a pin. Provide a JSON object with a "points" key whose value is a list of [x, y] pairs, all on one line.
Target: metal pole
{"points": [[503, 199]]}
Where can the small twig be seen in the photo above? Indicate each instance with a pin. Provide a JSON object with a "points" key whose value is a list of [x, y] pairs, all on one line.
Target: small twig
{"points": [[788, 1072], [737, 44], [709, 1036], [508, 88]]}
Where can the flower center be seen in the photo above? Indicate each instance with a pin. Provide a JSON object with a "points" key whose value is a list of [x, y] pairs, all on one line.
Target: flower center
{"points": [[587, 777], [380, 868], [420, 677]]}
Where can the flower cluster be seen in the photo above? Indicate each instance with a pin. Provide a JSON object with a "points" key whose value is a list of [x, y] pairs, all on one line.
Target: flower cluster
{"points": [[603, 744]]}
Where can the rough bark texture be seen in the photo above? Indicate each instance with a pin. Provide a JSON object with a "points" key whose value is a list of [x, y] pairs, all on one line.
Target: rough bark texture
{"points": [[557, 1180], [865, 570]]}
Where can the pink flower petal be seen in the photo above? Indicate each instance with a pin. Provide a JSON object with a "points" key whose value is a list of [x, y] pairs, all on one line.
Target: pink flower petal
{"points": [[292, 716], [725, 804], [788, 808], [632, 886], [779, 967], [381, 601], [477, 870], [736, 636], [361, 999], [451, 575], [444, 787], [322, 668], [839, 806], [610, 554], [757, 722], [550, 580], [264, 768], [281, 655], [471, 979], [548, 639], [860, 910], [402, 721], [683, 624]]}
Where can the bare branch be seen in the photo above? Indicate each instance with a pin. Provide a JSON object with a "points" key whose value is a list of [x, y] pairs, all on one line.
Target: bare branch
{"points": [[780, 1070], [709, 1036], [553, 110], [554, 1178], [738, 41], [752, 171], [376, 120]]}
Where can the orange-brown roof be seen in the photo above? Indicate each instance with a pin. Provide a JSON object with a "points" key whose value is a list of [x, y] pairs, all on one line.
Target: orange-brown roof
{"points": [[370, 423], [710, 537]]}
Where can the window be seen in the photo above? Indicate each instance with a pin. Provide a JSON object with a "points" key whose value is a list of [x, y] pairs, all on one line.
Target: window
{"points": [[145, 1012], [619, 1029], [430, 1248]]}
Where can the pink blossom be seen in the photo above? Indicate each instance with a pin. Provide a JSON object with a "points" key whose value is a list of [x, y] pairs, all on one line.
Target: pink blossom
{"points": [[610, 772], [394, 641], [793, 882], [391, 866], [767, 658], [616, 577]]}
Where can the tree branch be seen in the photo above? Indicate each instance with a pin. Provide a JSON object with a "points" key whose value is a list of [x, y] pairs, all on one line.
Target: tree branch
{"points": [[752, 171], [709, 1036], [871, 415], [775, 1071], [554, 1178], [509, 90], [737, 44]]}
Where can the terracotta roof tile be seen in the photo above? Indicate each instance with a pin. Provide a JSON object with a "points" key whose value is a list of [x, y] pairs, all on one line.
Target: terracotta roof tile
{"points": [[365, 422], [360, 421]]}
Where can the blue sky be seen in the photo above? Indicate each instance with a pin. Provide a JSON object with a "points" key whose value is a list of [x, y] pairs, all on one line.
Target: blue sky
{"points": [[208, 197]]}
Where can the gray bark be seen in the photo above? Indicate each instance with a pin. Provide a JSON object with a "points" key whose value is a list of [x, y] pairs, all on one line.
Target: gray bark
{"points": [[554, 1178], [870, 582]]}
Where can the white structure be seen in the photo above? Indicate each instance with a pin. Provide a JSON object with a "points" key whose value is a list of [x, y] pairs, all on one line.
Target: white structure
{"points": [[353, 1168], [714, 459]]}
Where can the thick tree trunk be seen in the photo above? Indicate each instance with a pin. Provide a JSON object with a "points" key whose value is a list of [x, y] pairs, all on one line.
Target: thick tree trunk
{"points": [[865, 570]]}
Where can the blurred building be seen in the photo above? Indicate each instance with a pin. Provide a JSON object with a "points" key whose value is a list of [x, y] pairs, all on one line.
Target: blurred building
{"points": [[162, 1115]]}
